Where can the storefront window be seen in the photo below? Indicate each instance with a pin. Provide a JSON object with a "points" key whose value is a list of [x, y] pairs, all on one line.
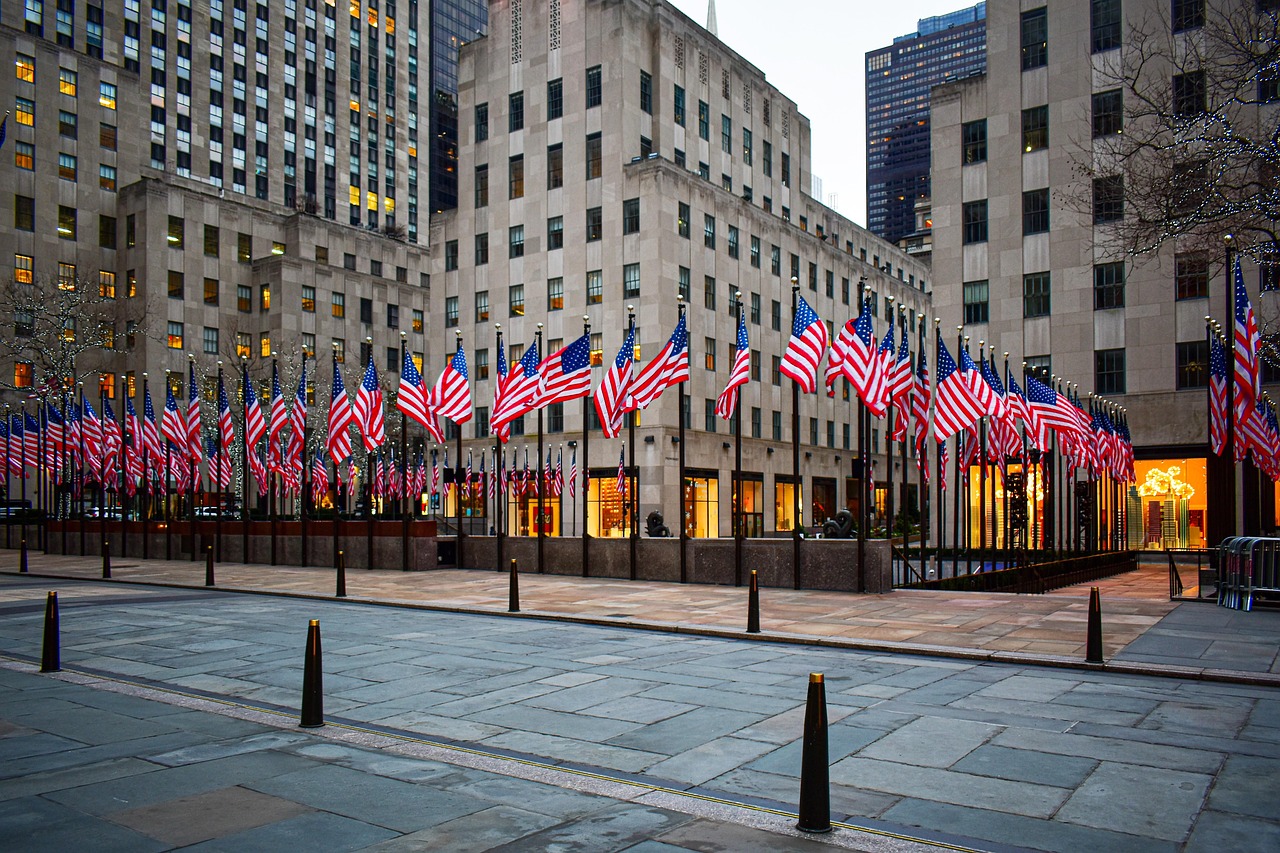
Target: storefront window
{"points": [[702, 504], [1167, 504], [523, 516], [752, 516], [784, 503], [824, 499], [607, 511]]}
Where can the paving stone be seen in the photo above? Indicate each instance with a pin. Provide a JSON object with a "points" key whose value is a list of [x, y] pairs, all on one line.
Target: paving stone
{"points": [[522, 717], [575, 752], [333, 832], [613, 828], [842, 741], [949, 787], [52, 782], [1042, 768], [1109, 749], [930, 742], [225, 748], [473, 833], [637, 710], [215, 814], [1197, 717], [74, 832], [1216, 832], [588, 695], [708, 760], [677, 734], [1152, 802], [1247, 786], [711, 836]]}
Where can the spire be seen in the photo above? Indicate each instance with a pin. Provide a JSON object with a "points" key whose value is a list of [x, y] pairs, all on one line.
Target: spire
{"points": [[711, 18]]}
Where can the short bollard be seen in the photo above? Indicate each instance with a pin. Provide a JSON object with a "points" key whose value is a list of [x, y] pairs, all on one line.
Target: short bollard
{"points": [[51, 659], [342, 575], [1093, 646], [22, 559], [513, 596], [312, 681], [815, 792], [753, 605], [106, 560], [208, 565]]}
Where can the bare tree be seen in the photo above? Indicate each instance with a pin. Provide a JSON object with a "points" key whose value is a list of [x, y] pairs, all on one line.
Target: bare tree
{"points": [[64, 330]]}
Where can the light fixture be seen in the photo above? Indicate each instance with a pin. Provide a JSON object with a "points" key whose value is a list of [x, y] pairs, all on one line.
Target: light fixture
{"points": [[725, 445], [648, 439]]}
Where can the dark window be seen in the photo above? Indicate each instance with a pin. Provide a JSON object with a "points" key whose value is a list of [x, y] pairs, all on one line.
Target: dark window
{"points": [[515, 241], [1108, 199], [1188, 94], [593, 87], [1035, 38], [709, 292], [678, 102], [1187, 15], [704, 120], [976, 304], [1035, 211], [726, 134], [631, 216], [515, 111], [482, 249], [1108, 112], [595, 224], [1108, 285], [594, 155], [24, 213], [555, 99], [482, 122], [1104, 18], [682, 220], [555, 166], [1187, 186], [708, 230], [974, 217], [775, 315], [1108, 371], [1191, 275], [1193, 365], [646, 92], [515, 177], [451, 255], [1035, 294], [631, 281], [555, 233], [366, 311], [973, 138], [1035, 128], [482, 185]]}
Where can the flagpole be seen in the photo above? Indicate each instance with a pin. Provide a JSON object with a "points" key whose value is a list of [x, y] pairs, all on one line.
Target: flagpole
{"points": [[633, 475], [64, 459], [922, 453], [8, 483], [1233, 525], [684, 520], [102, 461], [273, 477], [367, 486], [541, 478], [890, 503], [404, 477], [904, 416], [217, 522], [193, 467], [244, 459], [738, 517], [795, 455], [982, 452], [586, 458], [124, 472], [499, 453], [457, 497], [866, 494], [337, 481], [40, 478], [304, 495]]}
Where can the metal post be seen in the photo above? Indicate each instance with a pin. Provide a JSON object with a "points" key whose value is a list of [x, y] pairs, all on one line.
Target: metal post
{"points": [[541, 478], [586, 458], [739, 517], [684, 521], [244, 459], [795, 455], [404, 471]]}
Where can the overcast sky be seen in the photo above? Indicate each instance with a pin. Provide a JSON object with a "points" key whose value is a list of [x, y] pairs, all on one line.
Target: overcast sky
{"points": [[813, 51]]}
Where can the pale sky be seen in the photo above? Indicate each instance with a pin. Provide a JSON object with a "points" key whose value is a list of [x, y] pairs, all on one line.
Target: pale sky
{"points": [[814, 53]]}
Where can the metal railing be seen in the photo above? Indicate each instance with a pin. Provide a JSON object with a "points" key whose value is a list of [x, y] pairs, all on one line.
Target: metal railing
{"points": [[1016, 571], [1193, 573], [1250, 570]]}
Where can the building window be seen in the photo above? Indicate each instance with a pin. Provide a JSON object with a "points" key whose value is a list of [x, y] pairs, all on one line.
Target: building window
{"points": [[308, 299], [106, 284], [777, 426], [1191, 275], [733, 241], [555, 294], [24, 156], [482, 122], [1104, 21], [594, 92], [1188, 94], [709, 353], [450, 311], [678, 102], [708, 231], [631, 216], [482, 185], [67, 84], [1035, 38], [67, 168], [1108, 286], [976, 307], [482, 364], [339, 350], [755, 308], [974, 218], [784, 504], [515, 112], [244, 299], [1035, 294], [1108, 199], [264, 301], [338, 305], [595, 287], [597, 353], [682, 283], [631, 281], [419, 321], [555, 99], [594, 156], [682, 220], [775, 315], [451, 255], [210, 340], [755, 251], [176, 285], [709, 292], [1193, 365], [23, 374], [107, 136], [515, 177], [482, 306], [646, 92], [709, 415], [482, 249], [555, 166], [66, 222], [24, 111], [309, 344], [595, 224], [1108, 371], [515, 241], [1108, 112], [175, 335], [555, 233], [1035, 211], [704, 120], [1035, 128], [25, 68], [973, 140], [515, 300], [107, 95]]}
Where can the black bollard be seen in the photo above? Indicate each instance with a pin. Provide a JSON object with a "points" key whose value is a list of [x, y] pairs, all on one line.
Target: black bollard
{"points": [[815, 790], [208, 565], [342, 574], [106, 560], [312, 681], [1093, 646], [753, 605], [513, 597], [22, 560], [51, 660]]}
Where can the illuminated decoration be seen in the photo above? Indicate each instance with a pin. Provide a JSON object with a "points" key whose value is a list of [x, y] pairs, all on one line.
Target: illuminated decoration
{"points": [[1161, 483]]}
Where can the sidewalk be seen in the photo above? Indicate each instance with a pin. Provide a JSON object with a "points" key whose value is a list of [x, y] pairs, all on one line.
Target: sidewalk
{"points": [[1143, 632]]}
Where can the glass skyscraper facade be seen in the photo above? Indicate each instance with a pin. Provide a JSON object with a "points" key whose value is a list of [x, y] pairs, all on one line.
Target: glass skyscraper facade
{"points": [[899, 78], [453, 24]]}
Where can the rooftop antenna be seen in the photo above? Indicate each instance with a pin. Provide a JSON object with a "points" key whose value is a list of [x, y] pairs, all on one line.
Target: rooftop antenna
{"points": [[711, 18]]}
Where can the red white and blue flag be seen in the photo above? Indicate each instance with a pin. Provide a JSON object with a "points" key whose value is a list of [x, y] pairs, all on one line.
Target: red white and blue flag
{"points": [[614, 390], [954, 405], [338, 442], [368, 416], [279, 417], [669, 367], [1247, 343], [739, 374], [1219, 407], [514, 393], [564, 375], [195, 446], [254, 425], [805, 349], [451, 395], [621, 483], [226, 435], [411, 398]]}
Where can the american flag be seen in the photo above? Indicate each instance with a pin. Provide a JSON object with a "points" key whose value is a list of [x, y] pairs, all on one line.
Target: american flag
{"points": [[1219, 410], [612, 392], [174, 425], [226, 430], [411, 398], [319, 476], [448, 474], [573, 474], [258, 470], [31, 445], [920, 406], [515, 390], [195, 447], [564, 375], [942, 465], [55, 429], [467, 482], [557, 488], [254, 426], [1019, 409], [1251, 436], [667, 368], [75, 436], [739, 374], [621, 483], [900, 375], [451, 395], [338, 442], [884, 366], [1051, 409], [16, 464], [220, 462], [134, 448], [298, 424], [150, 433], [834, 370], [92, 428], [112, 440], [435, 472], [805, 349], [526, 485], [981, 391], [279, 417], [1247, 343], [954, 405], [859, 361], [367, 412], [503, 432], [490, 485]]}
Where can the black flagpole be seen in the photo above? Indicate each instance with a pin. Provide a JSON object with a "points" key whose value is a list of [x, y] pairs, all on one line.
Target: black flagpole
{"points": [[457, 480], [337, 481], [84, 484], [684, 520], [404, 471], [302, 475], [795, 455], [124, 468], [499, 455], [193, 466], [222, 452], [586, 458], [633, 475], [244, 460], [541, 478], [890, 503], [273, 477], [68, 480], [738, 517], [866, 494]]}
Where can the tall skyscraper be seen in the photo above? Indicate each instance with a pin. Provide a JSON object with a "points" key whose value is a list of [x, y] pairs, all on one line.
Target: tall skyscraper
{"points": [[453, 24], [899, 78]]}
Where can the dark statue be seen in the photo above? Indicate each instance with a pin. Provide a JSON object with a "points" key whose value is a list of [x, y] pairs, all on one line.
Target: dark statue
{"points": [[654, 528], [841, 527]]}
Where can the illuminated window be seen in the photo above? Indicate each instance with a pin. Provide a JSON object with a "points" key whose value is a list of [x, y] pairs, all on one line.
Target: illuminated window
{"points": [[210, 291], [107, 177], [338, 305], [66, 276], [107, 95], [309, 344], [597, 349], [340, 350], [264, 297], [418, 321], [784, 504], [177, 232], [25, 68], [23, 269], [67, 82], [23, 374], [175, 335], [265, 345], [555, 294], [595, 287], [242, 344], [244, 299], [24, 156], [24, 111], [308, 299]]}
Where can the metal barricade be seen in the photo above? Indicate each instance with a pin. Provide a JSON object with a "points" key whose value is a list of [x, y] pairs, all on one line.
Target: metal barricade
{"points": [[1262, 573], [1250, 565]]}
